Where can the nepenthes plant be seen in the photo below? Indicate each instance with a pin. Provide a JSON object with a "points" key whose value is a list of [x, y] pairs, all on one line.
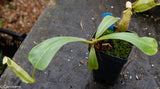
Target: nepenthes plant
{"points": [[41, 55]]}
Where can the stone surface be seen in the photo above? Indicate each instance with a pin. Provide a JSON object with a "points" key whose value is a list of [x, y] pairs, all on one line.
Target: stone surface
{"points": [[80, 18]]}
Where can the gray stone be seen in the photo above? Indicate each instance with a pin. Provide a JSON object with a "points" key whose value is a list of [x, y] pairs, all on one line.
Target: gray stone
{"points": [[80, 18]]}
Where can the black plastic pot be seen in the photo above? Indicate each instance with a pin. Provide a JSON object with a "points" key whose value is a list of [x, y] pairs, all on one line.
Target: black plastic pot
{"points": [[9, 46], [109, 67]]}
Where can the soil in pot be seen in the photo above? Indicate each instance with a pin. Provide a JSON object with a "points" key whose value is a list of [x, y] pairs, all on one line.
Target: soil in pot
{"points": [[118, 48]]}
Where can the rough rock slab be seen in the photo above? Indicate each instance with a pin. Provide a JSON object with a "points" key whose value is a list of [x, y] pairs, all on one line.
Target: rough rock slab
{"points": [[80, 18]]}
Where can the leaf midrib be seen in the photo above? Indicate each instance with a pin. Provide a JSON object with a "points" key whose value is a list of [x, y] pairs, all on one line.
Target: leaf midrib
{"points": [[45, 52], [103, 26]]}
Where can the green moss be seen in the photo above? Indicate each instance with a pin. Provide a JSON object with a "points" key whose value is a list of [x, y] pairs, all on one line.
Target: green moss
{"points": [[119, 48]]}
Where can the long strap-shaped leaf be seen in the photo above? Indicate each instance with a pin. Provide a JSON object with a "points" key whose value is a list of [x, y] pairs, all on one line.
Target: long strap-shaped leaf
{"points": [[22, 74], [41, 55], [105, 24], [147, 45], [92, 63]]}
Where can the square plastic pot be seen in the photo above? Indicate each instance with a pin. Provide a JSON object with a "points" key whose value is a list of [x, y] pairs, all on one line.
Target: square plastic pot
{"points": [[109, 67]]}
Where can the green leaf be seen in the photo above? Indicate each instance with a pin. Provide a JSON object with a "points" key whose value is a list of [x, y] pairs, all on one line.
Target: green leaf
{"points": [[144, 5], [41, 55], [147, 45], [92, 63], [22, 74], [105, 24]]}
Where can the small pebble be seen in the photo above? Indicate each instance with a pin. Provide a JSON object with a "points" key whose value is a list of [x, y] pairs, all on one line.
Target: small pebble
{"points": [[145, 28], [125, 75], [112, 7], [45, 72], [137, 77], [130, 77], [152, 17], [155, 76], [71, 50], [149, 33], [35, 43], [69, 60], [86, 58], [152, 65], [82, 62], [93, 18], [147, 15], [141, 68]]}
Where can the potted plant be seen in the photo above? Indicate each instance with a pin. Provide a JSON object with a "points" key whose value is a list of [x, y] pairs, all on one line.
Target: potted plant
{"points": [[41, 59]]}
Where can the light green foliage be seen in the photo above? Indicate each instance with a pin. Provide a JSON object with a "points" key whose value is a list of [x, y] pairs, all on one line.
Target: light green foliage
{"points": [[40, 59], [105, 24], [92, 63], [23, 75], [42, 54], [2, 21], [147, 45], [144, 5]]}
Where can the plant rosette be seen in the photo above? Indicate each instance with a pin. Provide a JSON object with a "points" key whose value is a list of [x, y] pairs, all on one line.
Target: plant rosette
{"points": [[111, 57]]}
